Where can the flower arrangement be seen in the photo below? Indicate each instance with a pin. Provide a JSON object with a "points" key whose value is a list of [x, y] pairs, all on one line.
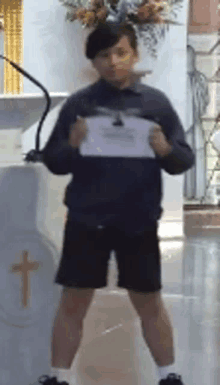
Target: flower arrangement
{"points": [[150, 18]]}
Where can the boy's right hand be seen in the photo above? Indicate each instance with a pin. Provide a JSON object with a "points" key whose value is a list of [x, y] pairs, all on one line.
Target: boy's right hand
{"points": [[78, 132]]}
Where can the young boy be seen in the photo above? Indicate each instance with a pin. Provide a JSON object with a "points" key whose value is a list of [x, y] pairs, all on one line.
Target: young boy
{"points": [[114, 201]]}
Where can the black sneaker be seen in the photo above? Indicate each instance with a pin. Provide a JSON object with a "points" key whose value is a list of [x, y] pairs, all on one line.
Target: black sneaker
{"points": [[46, 380]]}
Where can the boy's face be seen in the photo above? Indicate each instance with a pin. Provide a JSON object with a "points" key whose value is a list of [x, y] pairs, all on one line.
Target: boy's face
{"points": [[116, 63]]}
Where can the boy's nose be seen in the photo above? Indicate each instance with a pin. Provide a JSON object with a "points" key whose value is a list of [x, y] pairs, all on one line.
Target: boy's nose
{"points": [[113, 59]]}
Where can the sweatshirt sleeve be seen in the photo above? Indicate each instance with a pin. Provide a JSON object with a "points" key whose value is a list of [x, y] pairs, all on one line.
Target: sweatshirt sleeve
{"points": [[181, 157], [58, 156]]}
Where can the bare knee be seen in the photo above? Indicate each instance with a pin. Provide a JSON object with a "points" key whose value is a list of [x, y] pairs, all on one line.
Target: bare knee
{"points": [[75, 302], [147, 305]]}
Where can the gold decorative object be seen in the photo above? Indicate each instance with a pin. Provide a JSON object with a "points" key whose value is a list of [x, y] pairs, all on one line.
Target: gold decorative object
{"points": [[11, 18], [1, 22]]}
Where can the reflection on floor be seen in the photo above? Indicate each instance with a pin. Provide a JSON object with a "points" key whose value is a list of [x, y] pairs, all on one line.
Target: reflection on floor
{"points": [[113, 350]]}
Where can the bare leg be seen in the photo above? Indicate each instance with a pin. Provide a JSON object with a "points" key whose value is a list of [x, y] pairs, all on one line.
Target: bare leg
{"points": [[67, 334], [156, 325], [68, 325], [158, 334]]}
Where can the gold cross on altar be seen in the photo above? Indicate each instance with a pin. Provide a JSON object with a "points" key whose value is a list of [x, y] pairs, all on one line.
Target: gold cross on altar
{"points": [[25, 267]]}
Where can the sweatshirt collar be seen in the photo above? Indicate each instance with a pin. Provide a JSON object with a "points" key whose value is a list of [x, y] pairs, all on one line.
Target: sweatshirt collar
{"points": [[135, 87]]}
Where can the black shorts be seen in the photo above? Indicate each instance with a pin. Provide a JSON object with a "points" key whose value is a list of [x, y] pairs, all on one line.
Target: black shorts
{"points": [[86, 252]]}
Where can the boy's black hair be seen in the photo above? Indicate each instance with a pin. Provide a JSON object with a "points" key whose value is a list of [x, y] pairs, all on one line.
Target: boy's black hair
{"points": [[108, 34]]}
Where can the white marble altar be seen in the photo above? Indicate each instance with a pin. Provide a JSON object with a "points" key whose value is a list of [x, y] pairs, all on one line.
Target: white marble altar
{"points": [[29, 298]]}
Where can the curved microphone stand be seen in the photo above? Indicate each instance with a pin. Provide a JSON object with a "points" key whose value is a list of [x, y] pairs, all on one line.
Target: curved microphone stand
{"points": [[34, 155]]}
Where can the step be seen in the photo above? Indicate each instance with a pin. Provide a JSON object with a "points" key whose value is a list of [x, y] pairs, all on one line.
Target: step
{"points": [[193, 207], [201, 218]]}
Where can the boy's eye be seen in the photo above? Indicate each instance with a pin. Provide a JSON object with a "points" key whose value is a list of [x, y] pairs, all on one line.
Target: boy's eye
{"points": [[121, 53]]}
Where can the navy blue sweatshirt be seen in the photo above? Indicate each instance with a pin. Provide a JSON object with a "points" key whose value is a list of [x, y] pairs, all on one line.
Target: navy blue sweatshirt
{"points": [[122, 191]]}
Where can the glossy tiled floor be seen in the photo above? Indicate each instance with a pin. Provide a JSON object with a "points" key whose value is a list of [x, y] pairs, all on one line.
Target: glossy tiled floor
{"points": [[113, 350]]}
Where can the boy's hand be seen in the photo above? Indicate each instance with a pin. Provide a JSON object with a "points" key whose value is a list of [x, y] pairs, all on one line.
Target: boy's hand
{"points": [[78, 132], [158, 141]]}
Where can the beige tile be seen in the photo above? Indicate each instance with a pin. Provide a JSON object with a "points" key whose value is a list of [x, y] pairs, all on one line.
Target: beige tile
{"points": [[112, 346]]}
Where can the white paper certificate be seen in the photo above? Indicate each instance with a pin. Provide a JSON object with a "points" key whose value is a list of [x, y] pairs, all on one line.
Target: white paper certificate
{"points": [[118, 136]]}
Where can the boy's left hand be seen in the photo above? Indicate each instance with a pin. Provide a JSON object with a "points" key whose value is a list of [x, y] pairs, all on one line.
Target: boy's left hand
{"points": [[159, 142]]}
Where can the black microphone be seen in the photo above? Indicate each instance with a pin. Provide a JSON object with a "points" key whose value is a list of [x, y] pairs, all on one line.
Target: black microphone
{"points": [[34, 155]]}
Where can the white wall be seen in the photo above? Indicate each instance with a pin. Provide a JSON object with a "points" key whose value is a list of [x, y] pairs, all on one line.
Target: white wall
{"points": [[54, 54], [169, 75]]}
